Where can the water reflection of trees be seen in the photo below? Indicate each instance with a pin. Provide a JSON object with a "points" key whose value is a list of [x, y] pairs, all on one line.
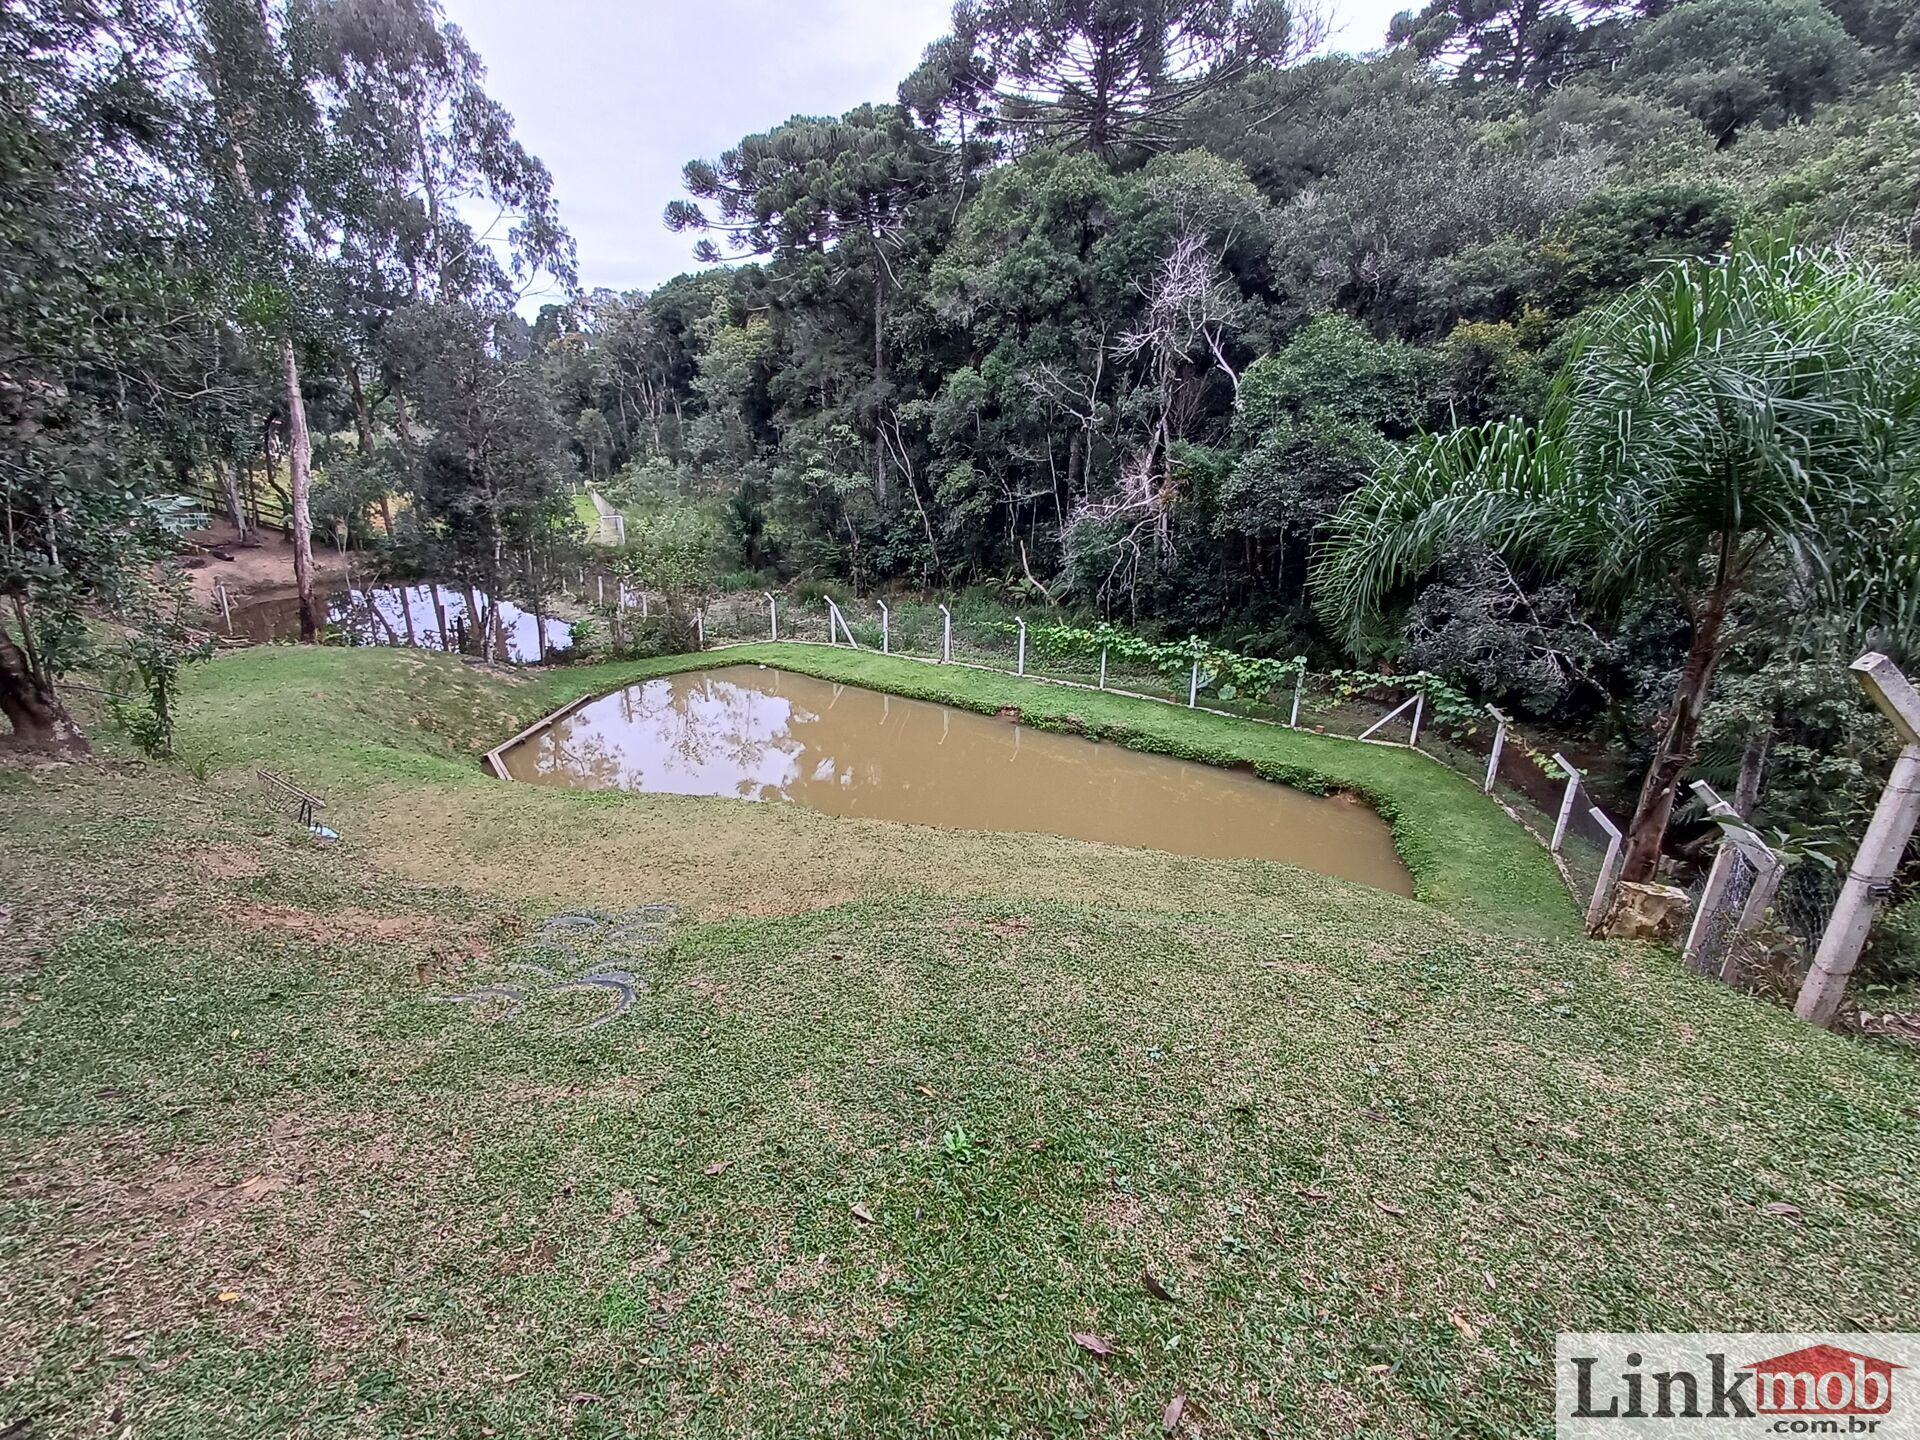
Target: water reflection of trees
{"points": [[431, 617], [690, 735]]}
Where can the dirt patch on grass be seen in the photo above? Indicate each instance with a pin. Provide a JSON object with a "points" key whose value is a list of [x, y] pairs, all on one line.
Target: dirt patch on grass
{"points": [[251, 1233], [338, 925], [230, 862]]}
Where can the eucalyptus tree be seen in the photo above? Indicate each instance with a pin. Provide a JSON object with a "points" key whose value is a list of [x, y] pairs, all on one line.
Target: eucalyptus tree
{"points": [[1728, 413], [402, 95], [421, 145], [272, 169]]}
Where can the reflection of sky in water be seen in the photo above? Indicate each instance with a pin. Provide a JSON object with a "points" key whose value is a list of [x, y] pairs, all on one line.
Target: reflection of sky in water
{"points": [[762, 734], [712, 738], [432, 617]]}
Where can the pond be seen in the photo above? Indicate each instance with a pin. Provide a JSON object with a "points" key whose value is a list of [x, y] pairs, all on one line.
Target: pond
{"points": [[752, 733], [428, 616]]}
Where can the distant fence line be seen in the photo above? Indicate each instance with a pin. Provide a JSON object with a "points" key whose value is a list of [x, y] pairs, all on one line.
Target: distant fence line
{"points": [[1546, 794]]}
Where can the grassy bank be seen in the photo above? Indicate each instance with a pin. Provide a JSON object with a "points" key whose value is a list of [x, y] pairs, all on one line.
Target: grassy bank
{"points": [[897, 1113]]}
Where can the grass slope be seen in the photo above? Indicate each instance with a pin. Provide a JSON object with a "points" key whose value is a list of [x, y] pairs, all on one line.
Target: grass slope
{"points": [[861, 1160]]}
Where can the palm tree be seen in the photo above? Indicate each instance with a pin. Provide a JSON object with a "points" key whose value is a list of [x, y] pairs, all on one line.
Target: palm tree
{"points": [[1764, 402]]}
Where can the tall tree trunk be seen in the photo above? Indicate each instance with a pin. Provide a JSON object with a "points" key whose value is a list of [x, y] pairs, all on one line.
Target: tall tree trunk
{"points": [[230, 492], [1753, 770], [299, 441], [28, 701], [1648, 831], [300, 481]]}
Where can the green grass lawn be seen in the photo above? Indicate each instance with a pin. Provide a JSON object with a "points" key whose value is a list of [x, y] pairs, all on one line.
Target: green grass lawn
{"points": [[897, 1113]]}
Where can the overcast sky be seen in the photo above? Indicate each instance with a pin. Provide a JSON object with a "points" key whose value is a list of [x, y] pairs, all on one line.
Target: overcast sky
{"points": [[617, 95]]}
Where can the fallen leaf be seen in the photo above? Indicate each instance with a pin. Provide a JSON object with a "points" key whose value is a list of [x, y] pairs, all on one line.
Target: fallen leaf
{"points": [[584, 1397], [1388, 1207], [1379, 1369], [716, 1167], [1151, 1283], [259, 1185], [12, 1022], [516, 1375], [861, 1213], [1463, 1325], [1175, 1412], [227, 1297], [924, 1089], [1091, 1343], [1309, 1193], [1781, 1207]]}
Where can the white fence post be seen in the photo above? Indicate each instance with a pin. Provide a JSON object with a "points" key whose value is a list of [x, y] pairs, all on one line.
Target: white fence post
{"points": [[1020, 659], [1566, 801], [1394, 713], [1103, 667], [1193, 685], [1878, 858], [845, 628], [700, 628], [886, 629], [600, 589], [773, 616], [1419, 710], [946, 636], [645, 606], [226, 605], [1603, 887], [1299, 683], [1499, 744]]}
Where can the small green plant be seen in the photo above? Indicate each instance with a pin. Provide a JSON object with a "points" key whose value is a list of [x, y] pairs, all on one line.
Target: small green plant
{"points": [[958, 1145], [144, 690]]}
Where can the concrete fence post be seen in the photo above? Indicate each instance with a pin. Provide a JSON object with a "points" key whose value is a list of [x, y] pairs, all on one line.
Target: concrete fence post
{"points": [[700, 628], [226, 605], [600, 589], [773, 616], [1020, 657], [1499, 744], [1419, 710], [1603, 887], [1299, 684], [1103, 667], [1193, 685], [1566, 801], [1870, 879], [886, 629], [946, 636]]}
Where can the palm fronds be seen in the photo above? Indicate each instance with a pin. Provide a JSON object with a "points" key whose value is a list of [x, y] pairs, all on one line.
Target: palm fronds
{"points": [[1769, 398]]}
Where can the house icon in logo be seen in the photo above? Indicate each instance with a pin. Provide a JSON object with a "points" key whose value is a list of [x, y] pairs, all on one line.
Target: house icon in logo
{"points": [[1823, 1380]]}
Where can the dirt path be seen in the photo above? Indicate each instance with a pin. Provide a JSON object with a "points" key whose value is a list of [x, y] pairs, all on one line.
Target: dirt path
{"points": [[262, 565]]}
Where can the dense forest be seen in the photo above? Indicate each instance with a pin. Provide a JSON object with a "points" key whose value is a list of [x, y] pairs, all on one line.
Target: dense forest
{"points": [[1153, 311]]}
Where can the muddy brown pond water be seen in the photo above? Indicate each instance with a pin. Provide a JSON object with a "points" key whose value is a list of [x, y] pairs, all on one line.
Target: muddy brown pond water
{"points": [[753, 733]]}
